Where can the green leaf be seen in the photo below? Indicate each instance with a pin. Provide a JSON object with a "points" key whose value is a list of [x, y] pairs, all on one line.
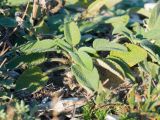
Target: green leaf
{"points": [[33, 79], [76, 59], [42, 28], [140, 11], [109, 72], [30, 59], [152, 49], [8, 22], [154, 69], [38, 46], [155, 17], [87, 26], [17, 2], [121, 29], [93, 8], [86, 78], [134, 55], [72, 33], [102, 95], [120, 20], [111, 67], [88, 50], [131, 96], [64, 45], [106, 45], [153, 34], [119, 23], [82, 59], [112, 3], [86, 59], [122, 67], [156, 90]]}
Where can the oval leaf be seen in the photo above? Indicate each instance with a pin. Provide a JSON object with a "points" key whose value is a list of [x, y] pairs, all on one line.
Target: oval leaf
{"points": [[135, 54], [86, 59], [72, 33], [86, 78], [38, 46], [106, 45]]}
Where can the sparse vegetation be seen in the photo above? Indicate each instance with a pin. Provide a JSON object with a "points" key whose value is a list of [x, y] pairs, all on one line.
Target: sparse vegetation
{"points": [[84, 59]]}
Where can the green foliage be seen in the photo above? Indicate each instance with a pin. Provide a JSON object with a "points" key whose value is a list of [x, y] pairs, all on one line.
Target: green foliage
{"points": [[134, 55], [3, 115], [106, 45], [72, 33], [88, 113], [32, 79], [88, 79], [100, 46], [154, 18], [86, 59], [30, 59], [7, 22], [153, 50], [17, 2], [38, 46]]}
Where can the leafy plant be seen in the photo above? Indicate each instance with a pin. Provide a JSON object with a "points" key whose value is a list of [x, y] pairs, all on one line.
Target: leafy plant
{"points": [[104, 51]]}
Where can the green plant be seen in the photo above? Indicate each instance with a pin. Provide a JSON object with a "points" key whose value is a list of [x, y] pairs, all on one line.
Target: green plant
{"points": [[97, 46]]}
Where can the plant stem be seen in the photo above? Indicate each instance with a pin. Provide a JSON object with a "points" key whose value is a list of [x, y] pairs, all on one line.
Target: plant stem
{"points": [[63, 67]]}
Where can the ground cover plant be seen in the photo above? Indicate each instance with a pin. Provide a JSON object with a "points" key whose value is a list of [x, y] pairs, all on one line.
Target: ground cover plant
{"points": [[79, 59]]}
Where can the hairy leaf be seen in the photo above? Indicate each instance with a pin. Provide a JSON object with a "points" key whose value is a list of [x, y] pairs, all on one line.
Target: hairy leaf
{"points": [[122, 67], [111, 67], [72, 33], [86, 78], [106, 45], [82, 59], [38, 46], [33, 79], [88, 50], [134, 55], [30, 59], [86, 59]]}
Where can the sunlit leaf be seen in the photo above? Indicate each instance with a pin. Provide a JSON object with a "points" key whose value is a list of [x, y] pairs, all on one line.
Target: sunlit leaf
{"points": [[38, 46], [153, 50], [93, 8], [120, 20], [86, 78], [112, 3], [82, 59], [153, 34], [106, 45], [86, 59], [72, 33], [17, 2], [134, 55], [155, 16], [89, 50]]}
